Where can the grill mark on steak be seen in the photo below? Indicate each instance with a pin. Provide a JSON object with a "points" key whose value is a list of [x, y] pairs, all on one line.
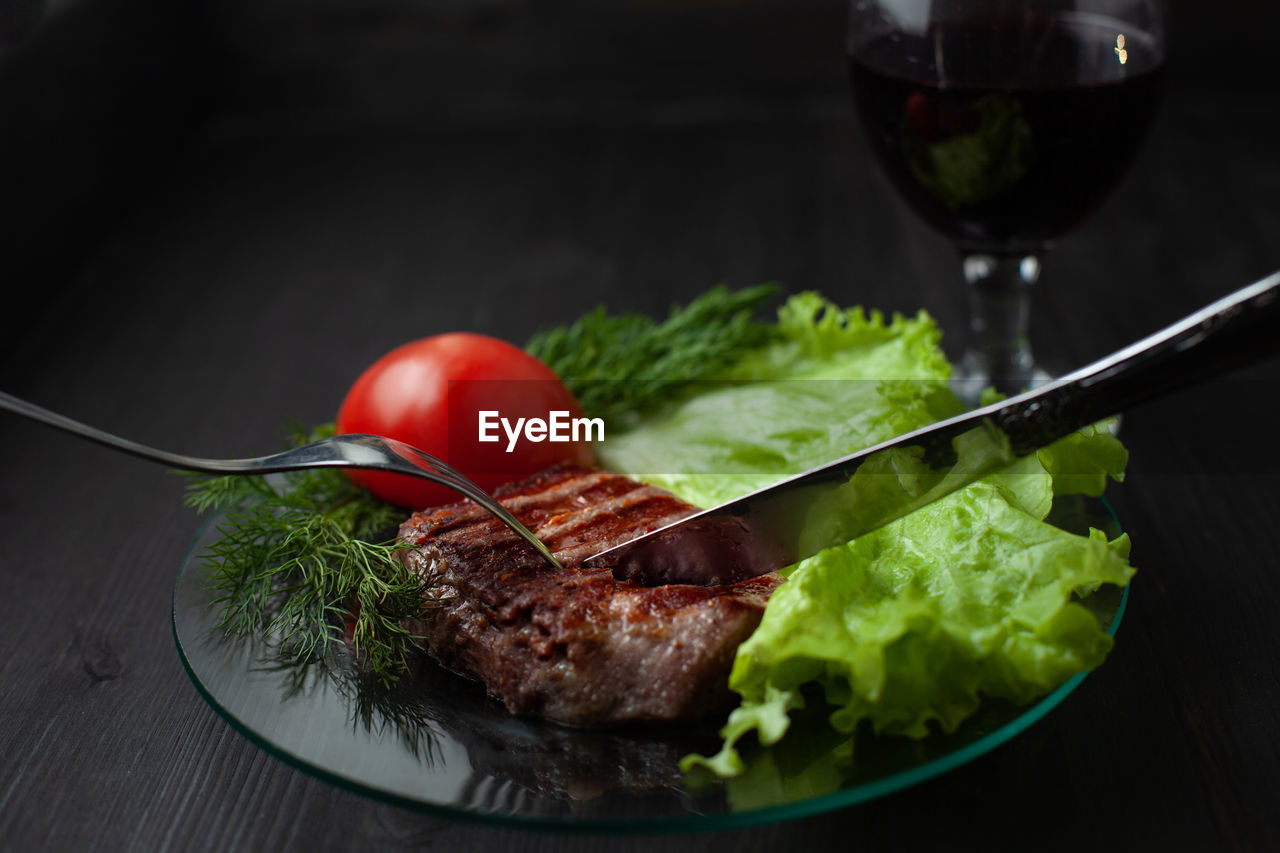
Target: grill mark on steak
{"points": [[577, 645]]}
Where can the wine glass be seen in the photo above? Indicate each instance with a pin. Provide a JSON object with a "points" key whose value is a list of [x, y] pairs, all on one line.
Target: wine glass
{"points": [[1004, 124]]}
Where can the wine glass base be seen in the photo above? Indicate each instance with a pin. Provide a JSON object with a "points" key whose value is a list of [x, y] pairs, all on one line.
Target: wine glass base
{"points": [[969, 381], [969, 384]]}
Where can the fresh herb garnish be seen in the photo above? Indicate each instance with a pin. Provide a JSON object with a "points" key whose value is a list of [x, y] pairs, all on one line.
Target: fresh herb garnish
{"points": [[627, 364], [305, 561]]}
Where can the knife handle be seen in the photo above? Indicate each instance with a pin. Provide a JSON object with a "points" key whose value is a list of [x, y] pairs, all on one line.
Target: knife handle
{"points": [[1234, 331]]}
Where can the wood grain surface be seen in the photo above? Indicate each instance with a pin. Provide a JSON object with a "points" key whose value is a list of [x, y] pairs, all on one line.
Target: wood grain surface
{"points": [[247, 279]]}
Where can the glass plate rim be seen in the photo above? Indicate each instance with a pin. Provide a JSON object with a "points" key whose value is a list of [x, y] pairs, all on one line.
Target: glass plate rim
{"points": [[668, 825]]}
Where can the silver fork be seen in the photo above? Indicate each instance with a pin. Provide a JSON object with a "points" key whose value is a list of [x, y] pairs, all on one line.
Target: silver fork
{"points": [[371, 452]]}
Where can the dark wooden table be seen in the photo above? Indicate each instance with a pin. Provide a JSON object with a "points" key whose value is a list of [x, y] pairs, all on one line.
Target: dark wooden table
{"points": [[247, 281]]}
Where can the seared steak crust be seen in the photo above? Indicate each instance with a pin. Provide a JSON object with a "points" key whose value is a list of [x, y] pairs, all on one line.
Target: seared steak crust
{"points": [[577, 645]]}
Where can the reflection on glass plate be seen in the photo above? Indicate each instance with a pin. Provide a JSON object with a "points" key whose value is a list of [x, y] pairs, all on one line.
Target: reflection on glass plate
{"points": [[437, 743]]}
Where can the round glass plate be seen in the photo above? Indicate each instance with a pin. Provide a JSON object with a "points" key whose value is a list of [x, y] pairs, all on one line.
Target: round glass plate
{"points": [[439, 744]]}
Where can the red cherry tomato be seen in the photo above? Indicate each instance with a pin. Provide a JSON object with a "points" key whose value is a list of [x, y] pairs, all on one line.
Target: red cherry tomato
{"points": [[430, 393]]}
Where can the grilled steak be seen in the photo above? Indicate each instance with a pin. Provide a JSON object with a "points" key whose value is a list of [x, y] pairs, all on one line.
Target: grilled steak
{"points": [[577, 645]]}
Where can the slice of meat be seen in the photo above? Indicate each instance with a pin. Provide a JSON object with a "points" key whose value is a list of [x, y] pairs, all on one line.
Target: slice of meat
{"points": [[577, 645]]}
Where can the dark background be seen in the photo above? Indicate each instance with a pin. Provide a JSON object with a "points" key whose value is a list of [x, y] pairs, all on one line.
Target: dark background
{"points": [[215, 214]]}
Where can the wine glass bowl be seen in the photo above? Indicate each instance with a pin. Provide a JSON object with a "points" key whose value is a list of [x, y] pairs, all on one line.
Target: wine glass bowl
{"points": [[1004, 125]]}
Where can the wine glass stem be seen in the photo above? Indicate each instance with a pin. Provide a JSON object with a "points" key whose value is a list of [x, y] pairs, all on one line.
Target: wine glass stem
{"points": [[999, 351]]}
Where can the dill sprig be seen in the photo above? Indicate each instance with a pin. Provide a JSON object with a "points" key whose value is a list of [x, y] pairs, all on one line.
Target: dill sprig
{"points": [[619, 366], [305, 561]]}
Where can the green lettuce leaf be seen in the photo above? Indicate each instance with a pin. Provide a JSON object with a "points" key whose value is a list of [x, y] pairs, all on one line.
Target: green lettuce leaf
{"points": [[834, 382], [906, 628]]}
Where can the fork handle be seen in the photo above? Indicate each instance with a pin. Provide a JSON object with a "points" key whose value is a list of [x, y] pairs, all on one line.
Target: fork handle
{"points": [[19, 406], [444, 475]]}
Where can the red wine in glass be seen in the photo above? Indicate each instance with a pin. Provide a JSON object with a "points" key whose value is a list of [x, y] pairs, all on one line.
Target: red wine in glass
{"points": [[1031, 129], [1004, 130]]}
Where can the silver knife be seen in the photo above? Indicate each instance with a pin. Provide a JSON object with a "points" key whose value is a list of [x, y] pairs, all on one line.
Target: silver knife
{"points": [[779, 525]]}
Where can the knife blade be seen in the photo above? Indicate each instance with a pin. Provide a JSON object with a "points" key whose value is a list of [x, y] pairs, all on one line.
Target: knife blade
{"points": [[833, 503]]}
